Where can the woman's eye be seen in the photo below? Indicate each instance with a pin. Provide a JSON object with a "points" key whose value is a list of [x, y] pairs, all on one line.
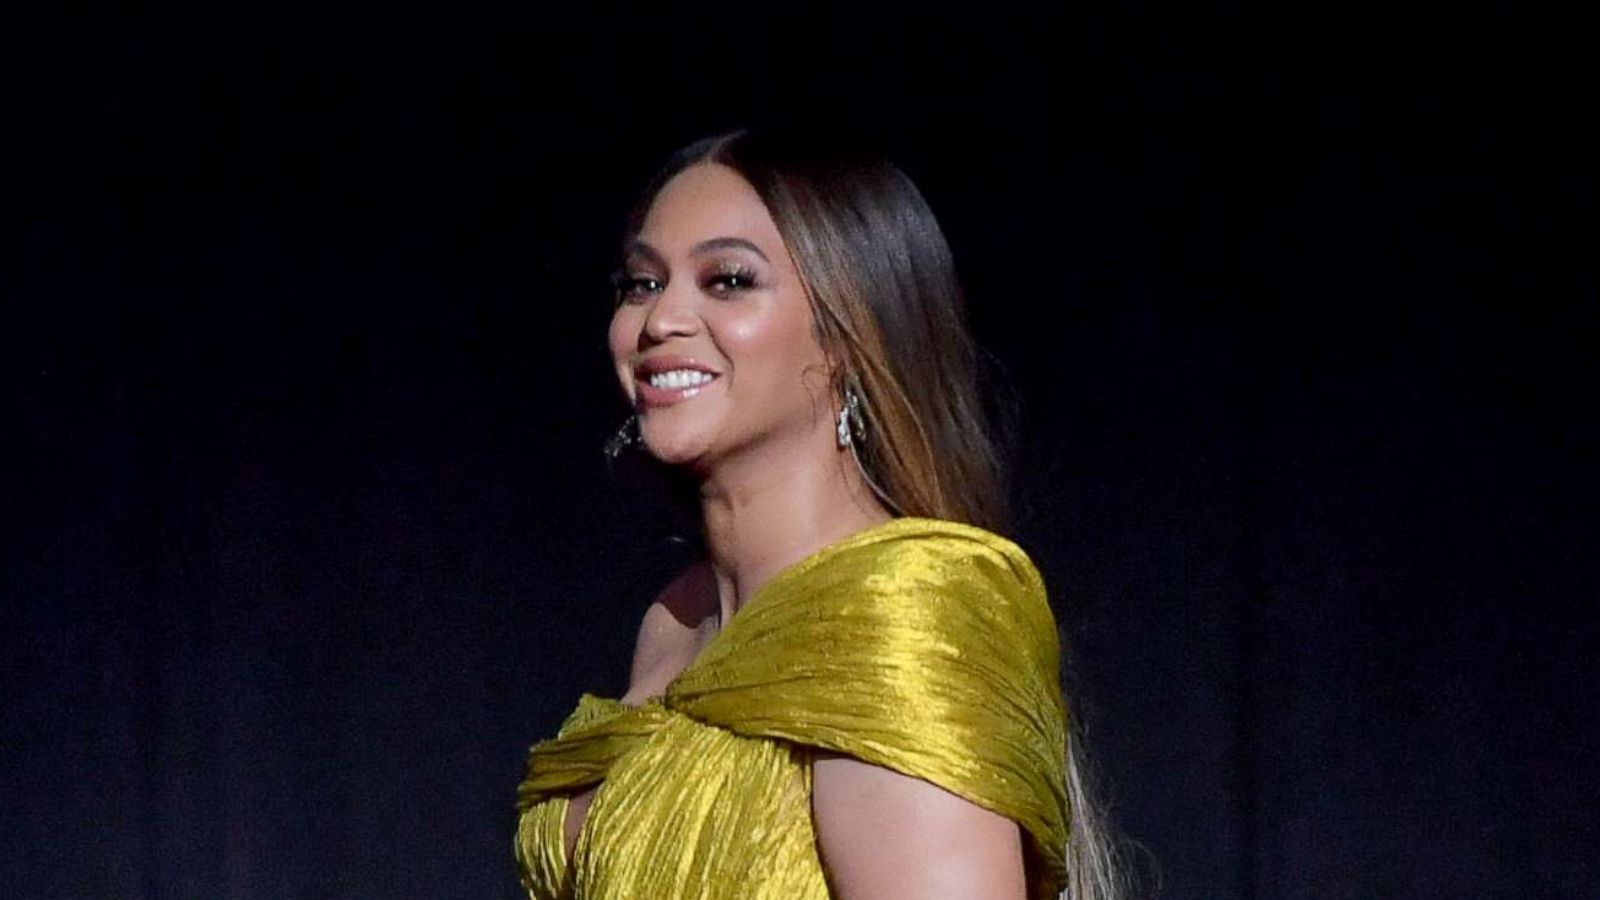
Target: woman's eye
{"points": [[725, 282], [631, 287]]}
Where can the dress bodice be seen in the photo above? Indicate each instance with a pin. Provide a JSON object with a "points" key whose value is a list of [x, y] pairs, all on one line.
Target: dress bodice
{"points": [[919, 644]]}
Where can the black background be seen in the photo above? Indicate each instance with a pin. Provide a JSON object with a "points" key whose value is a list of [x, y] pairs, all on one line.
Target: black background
{"points": [[307, 534]]}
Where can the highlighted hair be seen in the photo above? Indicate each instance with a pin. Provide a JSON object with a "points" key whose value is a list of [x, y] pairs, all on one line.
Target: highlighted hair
{"points": [[890, 315]]}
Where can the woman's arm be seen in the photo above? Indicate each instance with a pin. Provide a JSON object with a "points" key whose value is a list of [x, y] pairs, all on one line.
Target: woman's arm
{"points": [[883, 834]]}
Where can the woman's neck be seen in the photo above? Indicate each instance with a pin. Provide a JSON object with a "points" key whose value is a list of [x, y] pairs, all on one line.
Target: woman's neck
{"points": [[760, 516]]}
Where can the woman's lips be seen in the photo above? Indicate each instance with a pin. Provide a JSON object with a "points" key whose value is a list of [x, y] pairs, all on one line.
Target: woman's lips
{"points": [[651, 396]]}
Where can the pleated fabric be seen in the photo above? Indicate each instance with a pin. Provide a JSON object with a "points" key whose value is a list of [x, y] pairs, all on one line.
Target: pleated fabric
{"points": [[919, 644]]}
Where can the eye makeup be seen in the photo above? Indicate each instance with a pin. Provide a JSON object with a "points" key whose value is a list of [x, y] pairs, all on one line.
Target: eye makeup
{"points": [[728, 276], [723, 278], [626, 286]]}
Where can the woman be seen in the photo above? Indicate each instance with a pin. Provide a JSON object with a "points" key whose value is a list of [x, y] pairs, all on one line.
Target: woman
{"points": [[855, 693]]}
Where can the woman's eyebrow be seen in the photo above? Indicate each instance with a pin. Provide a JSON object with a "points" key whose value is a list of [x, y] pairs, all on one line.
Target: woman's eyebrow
{"points": [[719, 243], [643, 248]]}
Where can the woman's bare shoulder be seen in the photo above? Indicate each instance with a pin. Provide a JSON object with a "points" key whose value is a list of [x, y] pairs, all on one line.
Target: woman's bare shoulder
{"points": [[671, 631]]}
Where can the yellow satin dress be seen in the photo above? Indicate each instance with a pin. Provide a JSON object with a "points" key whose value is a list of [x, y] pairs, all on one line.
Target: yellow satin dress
{"points": [[919, 644]]}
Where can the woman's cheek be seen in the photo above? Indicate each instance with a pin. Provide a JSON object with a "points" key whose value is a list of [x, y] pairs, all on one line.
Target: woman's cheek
{"points": [[622, 339], [746, 332]]}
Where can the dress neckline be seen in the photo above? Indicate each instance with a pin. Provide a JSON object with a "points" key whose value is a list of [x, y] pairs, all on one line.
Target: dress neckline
{"points": [[613, 707], [788, 573], [761, 596]]}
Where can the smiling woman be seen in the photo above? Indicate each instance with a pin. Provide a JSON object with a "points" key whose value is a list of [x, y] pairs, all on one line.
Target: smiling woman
{"points": [[711, 309], [855, 693]]}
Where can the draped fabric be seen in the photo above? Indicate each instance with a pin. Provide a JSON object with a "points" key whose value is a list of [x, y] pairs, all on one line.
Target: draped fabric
{"points": [[922, 645]]}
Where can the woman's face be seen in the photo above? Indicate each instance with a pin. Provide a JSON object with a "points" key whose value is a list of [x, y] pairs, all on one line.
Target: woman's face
{"points": [[712, 337]]}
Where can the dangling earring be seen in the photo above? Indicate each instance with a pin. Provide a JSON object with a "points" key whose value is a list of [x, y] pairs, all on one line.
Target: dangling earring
{"points": [[626, 435], [852, 428]]}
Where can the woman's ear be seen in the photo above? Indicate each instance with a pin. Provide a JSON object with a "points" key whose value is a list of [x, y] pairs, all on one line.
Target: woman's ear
{"points": [[838, 367]]}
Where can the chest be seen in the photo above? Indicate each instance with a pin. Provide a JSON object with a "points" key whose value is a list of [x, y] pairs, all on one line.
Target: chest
{"points": [[693, 810]]}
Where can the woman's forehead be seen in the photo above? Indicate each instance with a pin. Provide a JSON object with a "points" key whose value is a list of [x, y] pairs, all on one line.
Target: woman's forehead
{"points": [[704, 202]]}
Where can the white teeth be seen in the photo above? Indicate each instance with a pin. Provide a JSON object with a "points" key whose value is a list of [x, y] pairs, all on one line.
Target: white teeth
{"points": [[677, 379]]}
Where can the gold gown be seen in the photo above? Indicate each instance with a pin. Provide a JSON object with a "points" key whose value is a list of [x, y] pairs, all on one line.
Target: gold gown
{"points": [[919, 644]]}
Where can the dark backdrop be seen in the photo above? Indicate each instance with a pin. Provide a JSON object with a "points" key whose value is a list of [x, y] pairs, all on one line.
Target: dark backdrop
{"points": [[307, 534]]}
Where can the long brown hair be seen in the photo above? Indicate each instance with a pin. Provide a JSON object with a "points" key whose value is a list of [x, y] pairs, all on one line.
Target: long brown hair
{"points": [[890, 314]]}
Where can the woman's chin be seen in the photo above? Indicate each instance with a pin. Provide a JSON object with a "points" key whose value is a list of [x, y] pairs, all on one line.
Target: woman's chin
{"points": [[675, 449]]}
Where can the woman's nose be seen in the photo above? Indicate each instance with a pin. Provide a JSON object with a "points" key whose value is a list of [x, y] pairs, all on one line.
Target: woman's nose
{"points": [[672, 313]]}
